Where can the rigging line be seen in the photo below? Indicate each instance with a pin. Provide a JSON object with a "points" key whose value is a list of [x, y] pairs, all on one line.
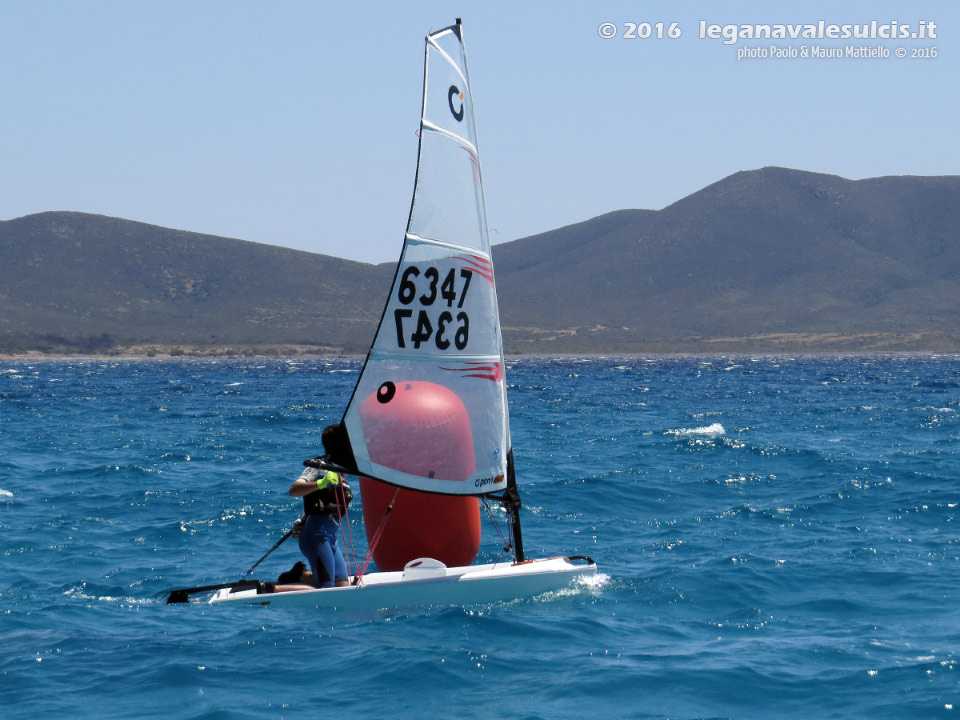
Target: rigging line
{"points": [[505, 543], [347, 532], [376, 537], [353, 551]]}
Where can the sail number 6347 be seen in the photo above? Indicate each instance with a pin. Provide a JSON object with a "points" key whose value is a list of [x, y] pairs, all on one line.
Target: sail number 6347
{"points": [[440, 328]]}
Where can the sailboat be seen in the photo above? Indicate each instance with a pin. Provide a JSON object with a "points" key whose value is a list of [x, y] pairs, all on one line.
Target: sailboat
{"points": [[427, 424]]}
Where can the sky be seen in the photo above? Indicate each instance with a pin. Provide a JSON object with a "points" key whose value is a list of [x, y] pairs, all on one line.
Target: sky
{"points": [[294, 122]]}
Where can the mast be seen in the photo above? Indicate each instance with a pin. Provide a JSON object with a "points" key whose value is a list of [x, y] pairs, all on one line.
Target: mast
{"points": [[511, 503], [511, 495]]}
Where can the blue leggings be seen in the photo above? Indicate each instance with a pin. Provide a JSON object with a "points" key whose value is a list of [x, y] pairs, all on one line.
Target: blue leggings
{"points": [[318, 542]]}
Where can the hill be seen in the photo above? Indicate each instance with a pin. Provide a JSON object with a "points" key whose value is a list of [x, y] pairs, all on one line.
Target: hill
{"points": [[761, 261], [67, 279], [765, 260]]}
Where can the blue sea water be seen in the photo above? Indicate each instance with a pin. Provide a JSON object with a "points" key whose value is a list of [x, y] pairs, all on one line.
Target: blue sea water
{"points": [[777, 537]]}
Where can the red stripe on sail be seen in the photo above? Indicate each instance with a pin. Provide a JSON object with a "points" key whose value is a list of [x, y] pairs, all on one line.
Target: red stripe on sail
{"points": [[473, 158], [484, 371], [481, 266]]}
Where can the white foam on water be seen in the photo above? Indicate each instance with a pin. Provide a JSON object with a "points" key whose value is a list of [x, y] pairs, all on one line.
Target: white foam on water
{"points": [[714, 430], [594, 582]]}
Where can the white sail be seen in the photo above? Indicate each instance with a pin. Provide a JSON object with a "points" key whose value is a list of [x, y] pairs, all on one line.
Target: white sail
{"points": [[429, 411]]}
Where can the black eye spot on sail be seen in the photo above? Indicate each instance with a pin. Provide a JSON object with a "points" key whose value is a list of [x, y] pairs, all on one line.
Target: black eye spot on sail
{"points": [[457, 114], [386, 392]]}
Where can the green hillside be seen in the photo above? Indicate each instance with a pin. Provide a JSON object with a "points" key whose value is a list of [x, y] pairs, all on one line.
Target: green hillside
{"points": [[72, 277], [764, 260], [761, 261]]}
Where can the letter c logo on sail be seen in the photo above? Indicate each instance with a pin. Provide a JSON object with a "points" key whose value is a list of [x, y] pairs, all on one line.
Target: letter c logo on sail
{"points": [[455, 91]]}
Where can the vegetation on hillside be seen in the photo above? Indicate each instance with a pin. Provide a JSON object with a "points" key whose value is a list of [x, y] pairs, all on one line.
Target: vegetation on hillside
{"points": [[772, 260]]}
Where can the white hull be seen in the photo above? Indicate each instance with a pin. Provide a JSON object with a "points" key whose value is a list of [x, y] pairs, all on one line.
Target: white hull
{"points": [[427, 582]]}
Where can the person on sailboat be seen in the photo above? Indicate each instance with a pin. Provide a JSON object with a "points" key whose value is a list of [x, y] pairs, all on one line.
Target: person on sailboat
{"points": [[325, 497]]}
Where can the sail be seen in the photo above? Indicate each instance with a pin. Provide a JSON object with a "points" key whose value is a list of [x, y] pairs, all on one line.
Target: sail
{"points": [[429, 411]]}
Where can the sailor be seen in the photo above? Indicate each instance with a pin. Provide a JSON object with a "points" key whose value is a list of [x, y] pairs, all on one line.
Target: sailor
{"points": [[325, 496]]}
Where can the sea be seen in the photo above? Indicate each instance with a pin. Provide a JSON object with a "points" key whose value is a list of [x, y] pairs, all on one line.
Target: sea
{"points": [[777, 536]]}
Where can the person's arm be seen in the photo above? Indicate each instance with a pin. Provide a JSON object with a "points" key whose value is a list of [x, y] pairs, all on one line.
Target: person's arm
{"points": [[301, 488], [311, 480], [306, 483]]}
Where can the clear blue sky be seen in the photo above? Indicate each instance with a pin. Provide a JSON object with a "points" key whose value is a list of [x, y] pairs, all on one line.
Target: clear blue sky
{"points": [[293, 122]]}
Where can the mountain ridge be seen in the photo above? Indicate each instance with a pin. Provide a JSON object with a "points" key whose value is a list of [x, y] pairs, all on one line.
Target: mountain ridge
{"points": [[763, 260]]}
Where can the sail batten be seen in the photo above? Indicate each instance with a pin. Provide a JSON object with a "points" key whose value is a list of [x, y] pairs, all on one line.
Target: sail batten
{"points": [[379, 355], [429, 411], [425, 125], [411, 238], [433, 43]]}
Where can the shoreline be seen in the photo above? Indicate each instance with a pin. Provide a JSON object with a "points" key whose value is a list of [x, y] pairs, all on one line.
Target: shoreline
{"points": [[571, 344], [160, 357]]}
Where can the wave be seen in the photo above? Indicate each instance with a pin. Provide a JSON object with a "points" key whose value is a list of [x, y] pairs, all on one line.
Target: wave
{"points": [[779, 569], [714, 430]]}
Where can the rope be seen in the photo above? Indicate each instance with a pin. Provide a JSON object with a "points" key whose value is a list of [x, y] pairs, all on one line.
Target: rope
{"points": [[496, 526], [347, 533], [376, 537]]}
